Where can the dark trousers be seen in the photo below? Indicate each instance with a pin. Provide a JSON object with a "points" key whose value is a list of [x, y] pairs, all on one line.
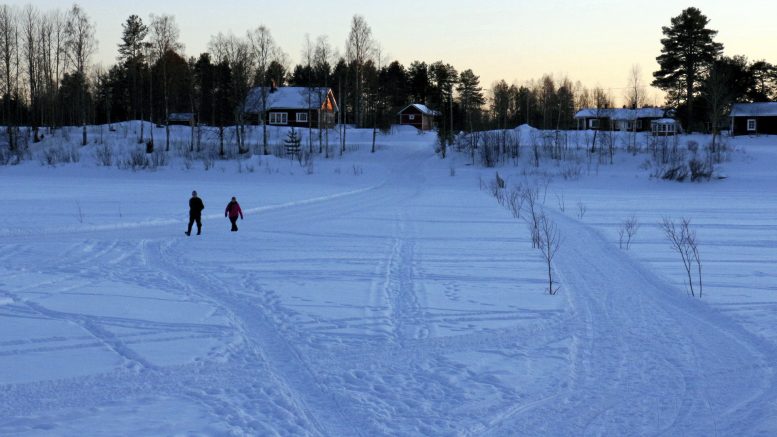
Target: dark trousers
{"points": [[234, 223], [192, 219]]}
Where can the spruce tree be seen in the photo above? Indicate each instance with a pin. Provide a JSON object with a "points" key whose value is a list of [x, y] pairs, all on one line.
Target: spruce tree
{"points": [[471, 95], [688, 50], [131, 54]]}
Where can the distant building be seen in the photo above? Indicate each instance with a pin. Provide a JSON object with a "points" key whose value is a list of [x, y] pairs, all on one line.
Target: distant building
{"points": [[182, 118], [419, 116], [292, 106], [754, 118], [622, 119]]}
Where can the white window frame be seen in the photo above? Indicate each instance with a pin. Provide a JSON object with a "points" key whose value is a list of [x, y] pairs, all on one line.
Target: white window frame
{"points": [[279, 118], [302, 117], [593, 123], [752, 125], [411, 117]]}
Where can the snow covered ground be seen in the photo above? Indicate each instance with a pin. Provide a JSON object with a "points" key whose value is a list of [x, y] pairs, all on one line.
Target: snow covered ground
{"points": [[383, 294]]}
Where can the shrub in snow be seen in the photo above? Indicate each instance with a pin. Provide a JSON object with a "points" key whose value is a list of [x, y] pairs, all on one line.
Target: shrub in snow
{"points": [[103, 156], [8, 157], [245, 165], [137, 159], [581, 208], [571, 171], [549, 240], [158, 159], [488, 147], [626, 232], [59, 154], [306, 161], [677, 172], [683, 240], [700, 169]]}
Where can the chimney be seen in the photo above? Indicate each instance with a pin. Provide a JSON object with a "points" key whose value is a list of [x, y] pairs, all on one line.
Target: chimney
{"points": [[273, 86]]}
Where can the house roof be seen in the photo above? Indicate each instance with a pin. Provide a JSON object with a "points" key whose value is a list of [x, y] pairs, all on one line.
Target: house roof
{"points": [[288, 97], [620, 113], [764, 109], [423, 108], [665, 121], [180, 116]]}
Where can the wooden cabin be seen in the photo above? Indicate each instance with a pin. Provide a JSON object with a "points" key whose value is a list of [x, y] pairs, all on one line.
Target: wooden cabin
{"points": [[754, 118], [624, 119], [419, 116], [292, 106]]}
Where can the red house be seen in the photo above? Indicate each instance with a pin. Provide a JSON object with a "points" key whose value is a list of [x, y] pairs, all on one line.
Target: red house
{"points": [[419, 116], [754, 118], [292, 106]]}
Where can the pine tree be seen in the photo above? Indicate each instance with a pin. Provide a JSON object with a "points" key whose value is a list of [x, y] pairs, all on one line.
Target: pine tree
{"points": [[688, 50], [292, 144], [470, 94], [131, 53]]}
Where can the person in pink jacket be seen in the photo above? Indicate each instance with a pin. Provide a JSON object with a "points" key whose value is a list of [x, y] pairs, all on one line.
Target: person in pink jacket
{"points": [[233, 211]]}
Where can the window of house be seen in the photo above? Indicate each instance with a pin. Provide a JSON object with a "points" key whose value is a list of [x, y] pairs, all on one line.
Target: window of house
{"points": [[751, 124], [411, 117], [302, 117], [279, 118], [639, 124], [593, 123]]}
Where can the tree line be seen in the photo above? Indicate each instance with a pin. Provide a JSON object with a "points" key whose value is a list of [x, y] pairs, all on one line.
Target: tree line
{"points": [[47, 81]]}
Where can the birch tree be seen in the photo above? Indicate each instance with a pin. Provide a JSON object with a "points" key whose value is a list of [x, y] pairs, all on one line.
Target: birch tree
{"points": [[323, 57], [9, 45], [80, 45], [30, 20], [164, 37], [307, 53], [635, 98], [264, 52], [359, 49], [53, 63]]}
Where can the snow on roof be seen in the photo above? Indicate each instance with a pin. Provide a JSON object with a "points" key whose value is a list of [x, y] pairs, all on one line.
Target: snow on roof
{"points": [[665, 121], [423, 108], [764, 109], [180, 116], [620, 113], [288, 97]]}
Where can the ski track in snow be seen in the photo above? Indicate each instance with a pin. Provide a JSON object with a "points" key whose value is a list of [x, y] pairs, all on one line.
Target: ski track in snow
{"points": [[623, 359], [639, 348]]}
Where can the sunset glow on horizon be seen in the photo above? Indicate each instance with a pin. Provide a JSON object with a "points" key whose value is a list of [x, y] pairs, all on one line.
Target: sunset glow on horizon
{"points": [[594, 42]]}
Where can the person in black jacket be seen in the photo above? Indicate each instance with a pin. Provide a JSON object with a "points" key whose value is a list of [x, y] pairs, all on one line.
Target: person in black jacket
{"points": [[195, 213]]}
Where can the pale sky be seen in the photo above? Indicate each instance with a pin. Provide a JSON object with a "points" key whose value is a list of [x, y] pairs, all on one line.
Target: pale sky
{"points": [[596, 41]]}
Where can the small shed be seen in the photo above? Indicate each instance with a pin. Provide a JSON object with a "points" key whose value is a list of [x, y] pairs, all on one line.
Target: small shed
{"points": [[182, 119], [664, 127], [419, 116], [754, 118]]}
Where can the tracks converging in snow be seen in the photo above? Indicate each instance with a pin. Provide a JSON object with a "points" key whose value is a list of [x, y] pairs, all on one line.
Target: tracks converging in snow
{"points": [[396, 309]]}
